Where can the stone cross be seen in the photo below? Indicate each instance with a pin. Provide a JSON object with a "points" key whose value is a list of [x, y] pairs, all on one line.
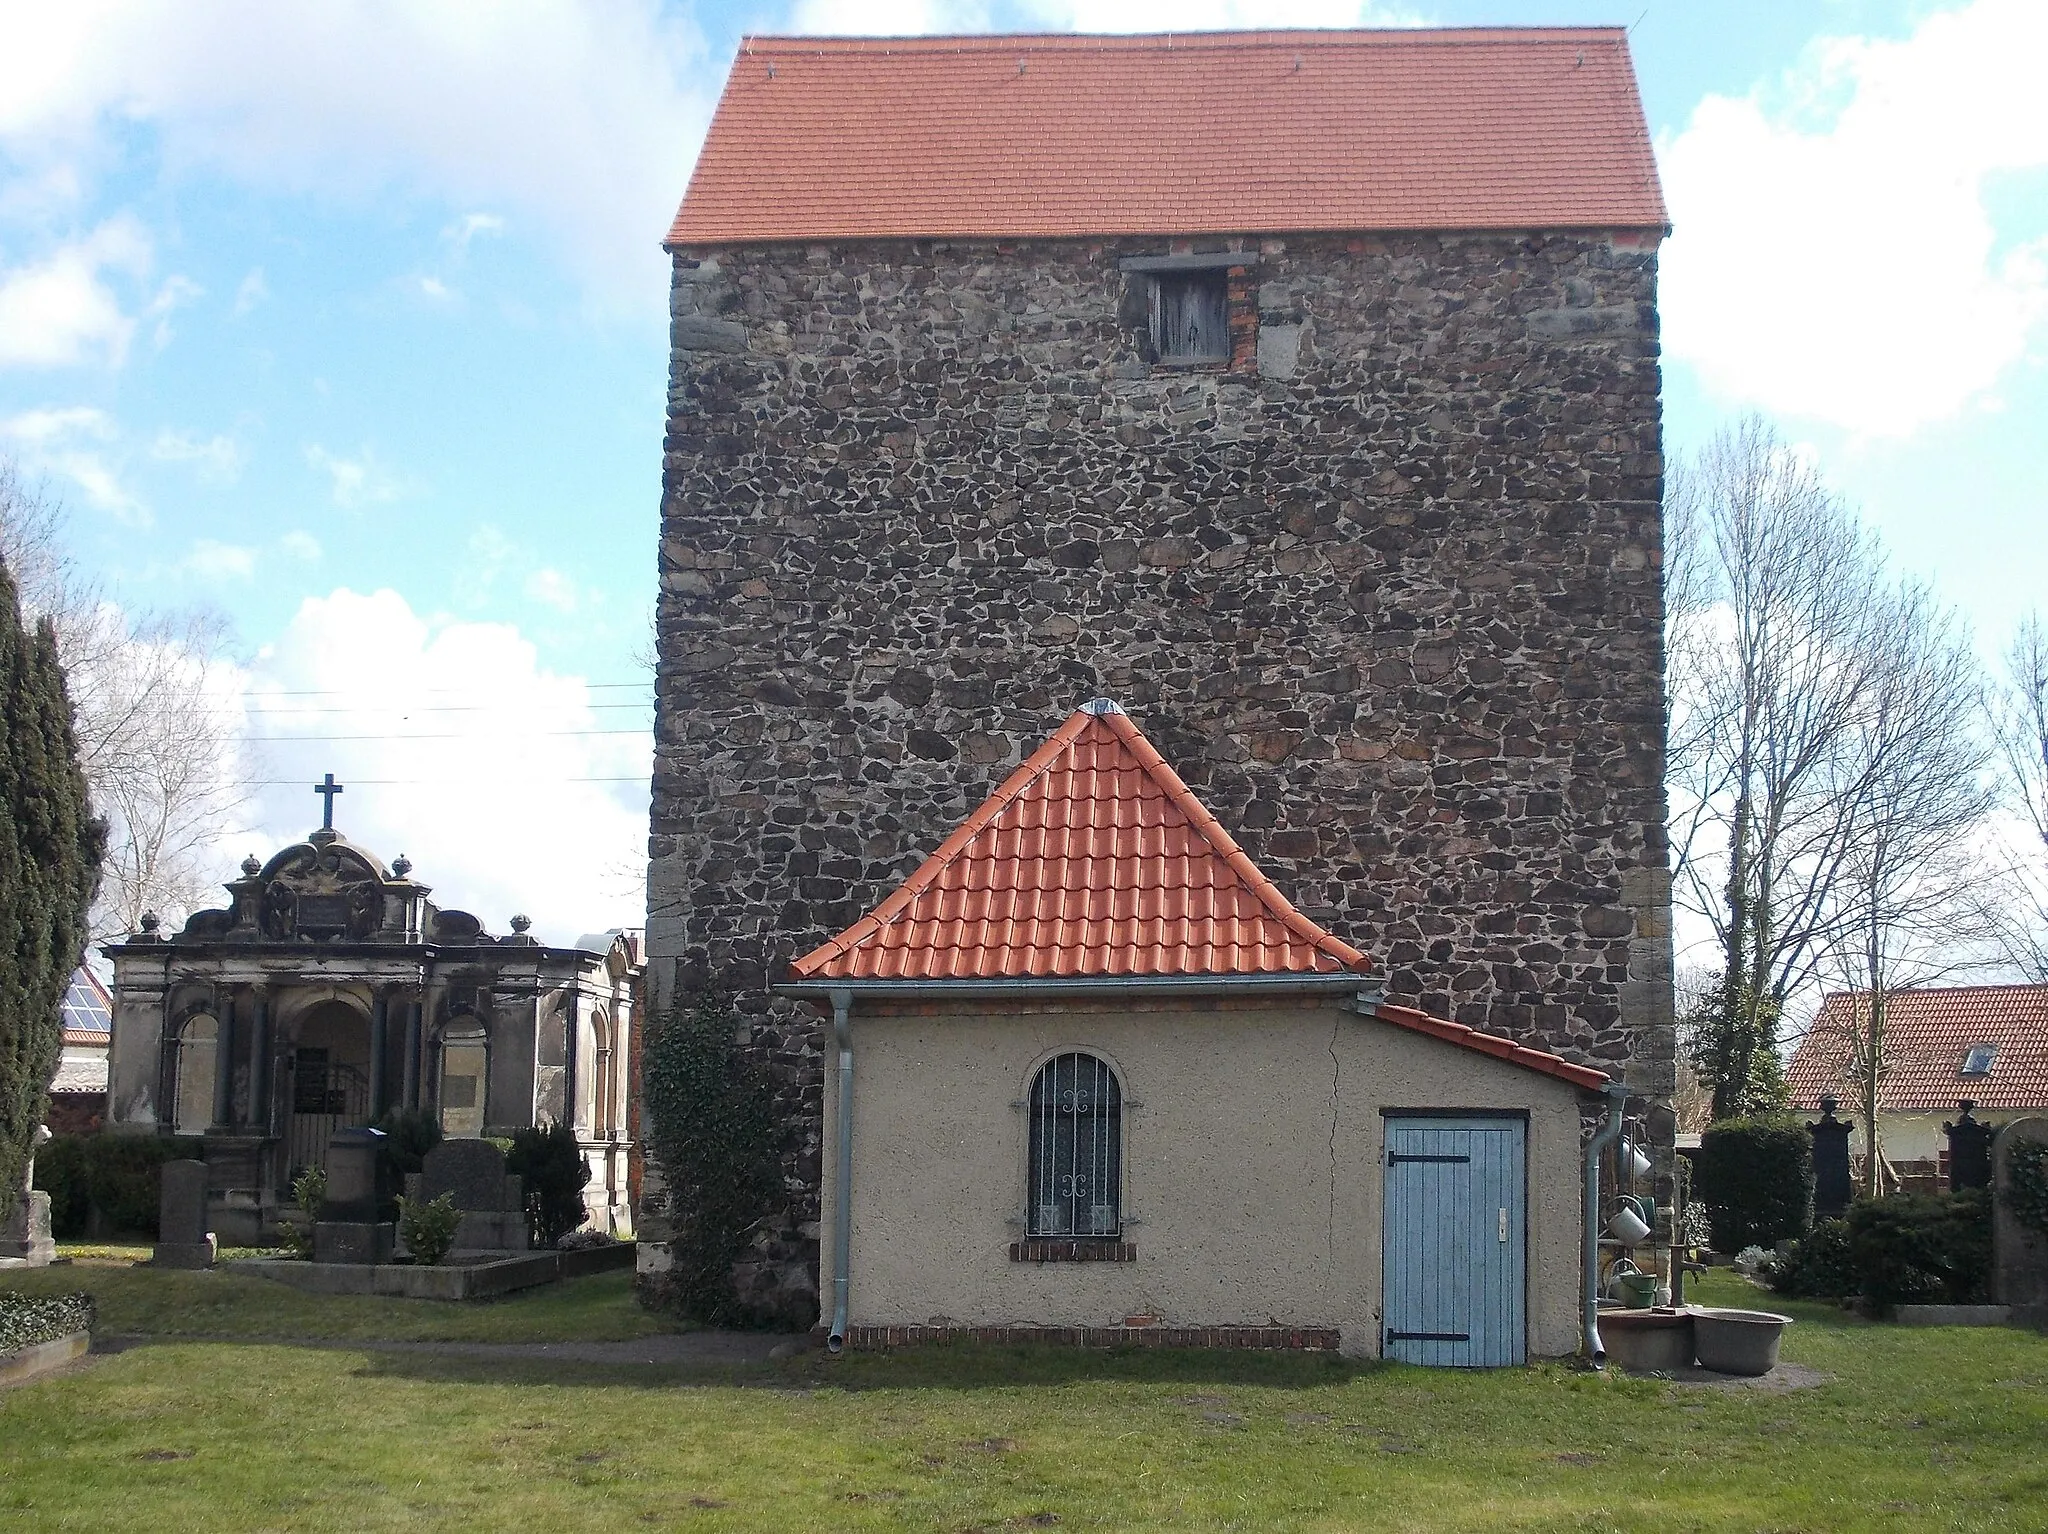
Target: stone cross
{"points": [[327, 791]]}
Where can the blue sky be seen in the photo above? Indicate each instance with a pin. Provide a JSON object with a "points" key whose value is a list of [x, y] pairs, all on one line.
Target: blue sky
{"points": [[348, 322]]}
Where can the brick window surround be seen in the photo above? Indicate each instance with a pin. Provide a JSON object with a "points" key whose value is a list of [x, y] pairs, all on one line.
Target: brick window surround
{"points": [[1241, 314]]}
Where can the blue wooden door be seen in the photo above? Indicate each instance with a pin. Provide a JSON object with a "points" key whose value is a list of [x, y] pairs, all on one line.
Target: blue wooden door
{"points": [[1452, 1264]]}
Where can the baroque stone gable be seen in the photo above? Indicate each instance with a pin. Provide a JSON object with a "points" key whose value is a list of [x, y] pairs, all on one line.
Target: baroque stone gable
{"points": [[1384, 587]]}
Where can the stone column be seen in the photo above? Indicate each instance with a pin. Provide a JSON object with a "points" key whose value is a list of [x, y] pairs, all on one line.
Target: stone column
{"points": [[224, 1060], [380, 1022], [410, 1094], [571, 1009], [260, 1070]]}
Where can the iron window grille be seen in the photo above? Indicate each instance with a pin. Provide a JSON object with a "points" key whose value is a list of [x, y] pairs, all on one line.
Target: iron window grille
{"points": [[1191, 316], [1076, 1149]]}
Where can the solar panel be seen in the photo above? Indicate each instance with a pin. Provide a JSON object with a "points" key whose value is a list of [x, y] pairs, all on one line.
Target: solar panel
{"points": [[85, 1009]]}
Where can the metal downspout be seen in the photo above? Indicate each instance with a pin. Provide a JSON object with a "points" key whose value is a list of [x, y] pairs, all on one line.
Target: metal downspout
{"points": [[1606, 1135], [842, 1202]]}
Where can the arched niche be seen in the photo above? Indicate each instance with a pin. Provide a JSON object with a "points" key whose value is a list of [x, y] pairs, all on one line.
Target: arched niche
{"points": [[465, 1077], [328, 1082], [193, 1075]]}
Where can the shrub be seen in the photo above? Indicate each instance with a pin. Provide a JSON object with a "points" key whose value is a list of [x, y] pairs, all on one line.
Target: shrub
{"points": [[1818, 1267], [1922, 1248], [428, 1226], [712, 1128], [584, 1240], [409, 1133], [124, 1175], [550, 1163], [29, 1319], [61, 1173], [309, 1192], [1756, 1178]]}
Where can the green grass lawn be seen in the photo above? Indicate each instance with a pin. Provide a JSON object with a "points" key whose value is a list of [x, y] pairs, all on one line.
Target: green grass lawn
{"points": [[1914, 1429]]}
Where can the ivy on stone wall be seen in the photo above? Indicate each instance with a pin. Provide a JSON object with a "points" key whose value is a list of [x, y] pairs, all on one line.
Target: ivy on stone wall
{"points": [[2026, 1184], [713, 1131]]}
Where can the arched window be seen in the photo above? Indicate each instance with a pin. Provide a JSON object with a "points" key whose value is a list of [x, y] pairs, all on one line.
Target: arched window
{"points": [[465, 1069], [192, 1099], [1076, 1148]]}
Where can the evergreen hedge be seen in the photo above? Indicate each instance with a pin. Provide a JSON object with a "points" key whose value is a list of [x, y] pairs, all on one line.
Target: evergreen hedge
{"points": [[50, 848], [550, 1163], [1755, 1177], [119, 1175], [1922, 1248]]}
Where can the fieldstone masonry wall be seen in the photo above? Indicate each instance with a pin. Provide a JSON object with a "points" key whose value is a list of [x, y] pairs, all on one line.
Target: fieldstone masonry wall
{"points": [[1384, 589]]}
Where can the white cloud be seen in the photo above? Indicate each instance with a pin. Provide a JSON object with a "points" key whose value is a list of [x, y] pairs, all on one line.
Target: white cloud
{"points": [[1833, 254], [578, 120], [214, 561], [252, 291], [358, 481], [469, 226], [481, 766], [300, 544], [62, 442], [1216, 15], [434, 289], [886, 18], [551, 588], [60, 312], [173, 295], [218, 459]]}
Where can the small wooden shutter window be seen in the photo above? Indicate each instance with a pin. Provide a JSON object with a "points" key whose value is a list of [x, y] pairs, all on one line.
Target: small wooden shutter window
{"points": [[1190, 316]]}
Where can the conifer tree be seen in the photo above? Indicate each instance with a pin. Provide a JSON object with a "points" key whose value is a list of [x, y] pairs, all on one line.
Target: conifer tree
{"points": [[50, 847]]}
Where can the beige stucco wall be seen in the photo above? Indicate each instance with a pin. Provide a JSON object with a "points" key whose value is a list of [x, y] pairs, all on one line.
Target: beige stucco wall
{"points": [[1252, 1165]]}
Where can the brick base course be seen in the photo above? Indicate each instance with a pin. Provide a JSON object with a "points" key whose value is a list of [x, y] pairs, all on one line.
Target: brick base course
{"points": [[1305, 1339]]}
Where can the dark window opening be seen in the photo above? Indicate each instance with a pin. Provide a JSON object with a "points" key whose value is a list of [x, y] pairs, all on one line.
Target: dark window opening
{"points": [[1076, 1149], [1190, 316]]}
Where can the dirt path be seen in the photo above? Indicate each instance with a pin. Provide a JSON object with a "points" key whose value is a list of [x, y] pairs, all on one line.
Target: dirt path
{"points": [[687, 1348]]}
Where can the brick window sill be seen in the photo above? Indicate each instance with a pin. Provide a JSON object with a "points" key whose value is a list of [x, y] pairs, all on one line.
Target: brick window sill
{"points": [[1072, 1249]]}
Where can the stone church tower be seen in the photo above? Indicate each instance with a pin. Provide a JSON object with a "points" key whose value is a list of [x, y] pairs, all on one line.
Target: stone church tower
{"points": [[1298, 391]]}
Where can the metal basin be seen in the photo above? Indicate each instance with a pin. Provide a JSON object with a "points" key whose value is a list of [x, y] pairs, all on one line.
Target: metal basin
{"points": [[1736, 1341], [1647, 1341]]}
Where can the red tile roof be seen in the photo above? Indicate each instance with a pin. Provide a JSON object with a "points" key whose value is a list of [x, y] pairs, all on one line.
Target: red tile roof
{"points": [[1093, 859], [1204, 133], [1927, 1034]]}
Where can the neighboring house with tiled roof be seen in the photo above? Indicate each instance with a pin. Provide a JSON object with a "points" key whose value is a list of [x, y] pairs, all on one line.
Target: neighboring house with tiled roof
{"points": [[1943, 1044], [1299, 389], [78, 1092], [1089, 1030]]}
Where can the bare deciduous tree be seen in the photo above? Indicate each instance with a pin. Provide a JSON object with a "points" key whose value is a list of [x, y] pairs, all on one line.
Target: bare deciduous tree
{"points": [[156, 719], [1904, 908], [1798, 670], [2019, 727]]}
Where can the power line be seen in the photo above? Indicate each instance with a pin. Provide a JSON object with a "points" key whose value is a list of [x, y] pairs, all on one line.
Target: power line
{"points": [[343, 692], [283, 740], [433, 782], [404, 708]]}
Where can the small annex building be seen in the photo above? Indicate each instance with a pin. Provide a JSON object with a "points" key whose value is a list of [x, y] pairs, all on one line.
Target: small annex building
{"points": [[1107, 1084], [331, 989]]}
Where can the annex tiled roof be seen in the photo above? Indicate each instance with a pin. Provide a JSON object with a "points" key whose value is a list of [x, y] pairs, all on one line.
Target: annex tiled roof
{"points": [[1092, 860], [1223, 133], [1928, 1033], [1492, 1044]]}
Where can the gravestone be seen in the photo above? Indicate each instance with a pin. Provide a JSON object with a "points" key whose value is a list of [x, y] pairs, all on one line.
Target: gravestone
{"points": [[492, 1201], [2019, 1253], [348, 1229], [182, 1239], [1969, 1150], [25, 1239], [1832, 1185]]}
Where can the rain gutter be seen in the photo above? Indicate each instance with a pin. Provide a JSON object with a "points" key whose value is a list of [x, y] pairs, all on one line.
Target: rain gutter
{"points": [[1617, 1100], [842, 1204], [1088, 985]]}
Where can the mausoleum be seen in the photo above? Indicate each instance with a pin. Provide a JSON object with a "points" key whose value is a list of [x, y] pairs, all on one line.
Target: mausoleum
{"points": [[329, 990]]}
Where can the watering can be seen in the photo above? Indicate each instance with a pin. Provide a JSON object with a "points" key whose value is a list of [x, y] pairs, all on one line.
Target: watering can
{"points": [[1629, 1284], [1628, 1224]]}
